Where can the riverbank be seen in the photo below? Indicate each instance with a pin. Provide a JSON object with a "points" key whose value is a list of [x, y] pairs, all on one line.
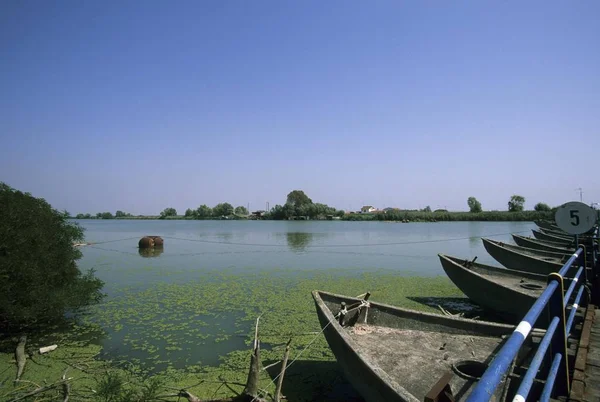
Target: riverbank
{"points": [[394, 216], [160, 336]]}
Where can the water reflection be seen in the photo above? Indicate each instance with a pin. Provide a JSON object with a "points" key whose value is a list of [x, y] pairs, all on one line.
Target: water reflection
{"points": [[151, 252], [298, 241]]}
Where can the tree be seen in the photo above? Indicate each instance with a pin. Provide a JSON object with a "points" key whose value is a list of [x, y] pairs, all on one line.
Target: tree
{"points": [[297, 198], [541, 207], [80, 216], [168, 212], [223, 209], [121, 214], [241, 210], [474, 205], [516, 203], [203, 212], [39, 277], [340, 213], [427, 209], [104, 215], [189, 213]]}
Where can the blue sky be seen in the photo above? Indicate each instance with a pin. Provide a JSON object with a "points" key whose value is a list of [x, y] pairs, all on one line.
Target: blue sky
{"points": [[140, 106]]}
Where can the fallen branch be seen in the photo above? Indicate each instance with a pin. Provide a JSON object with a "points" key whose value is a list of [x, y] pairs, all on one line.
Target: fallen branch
{"points": [[40, 390]]}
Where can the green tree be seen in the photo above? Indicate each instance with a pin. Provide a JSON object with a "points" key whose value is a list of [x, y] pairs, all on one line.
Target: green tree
{"points": [[427, 209], [80, 216], [541, 207], [189, 213], [39, 277], [474, 205], [203, 212], [168, 212], [121, 214], [297, 198], [241, 210], [340, 213], [223, 209], [104, 215], [516, 203]]}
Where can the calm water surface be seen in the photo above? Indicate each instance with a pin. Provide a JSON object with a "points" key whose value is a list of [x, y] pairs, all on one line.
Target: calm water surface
{"points": [[140, 309]]}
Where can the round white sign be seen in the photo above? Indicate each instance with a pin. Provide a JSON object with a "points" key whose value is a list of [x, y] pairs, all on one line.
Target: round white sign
{"points": [[575, 217]]}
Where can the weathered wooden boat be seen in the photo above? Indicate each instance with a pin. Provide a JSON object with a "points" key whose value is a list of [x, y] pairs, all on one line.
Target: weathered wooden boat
{"points": [[508, 293], [564, 235], [546, 225], [537, 244], [394, 354], [520, 261], [555, 239]]}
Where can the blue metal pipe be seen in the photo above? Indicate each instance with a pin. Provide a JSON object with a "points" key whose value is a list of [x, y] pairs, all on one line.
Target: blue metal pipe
{"points": [[574, 282], [563, 271], [573, 310], [489, 381], [536, 362], [547, 391]]}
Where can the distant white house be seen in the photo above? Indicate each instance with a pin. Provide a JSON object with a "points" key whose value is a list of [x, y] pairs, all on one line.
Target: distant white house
{"points": [[367, 209]]}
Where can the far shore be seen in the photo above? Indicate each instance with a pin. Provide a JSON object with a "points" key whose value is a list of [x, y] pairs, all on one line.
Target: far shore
{"points": [[394, 217]]}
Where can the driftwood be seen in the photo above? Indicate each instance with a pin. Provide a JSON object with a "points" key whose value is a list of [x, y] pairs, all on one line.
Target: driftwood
{"points": [[20, 357], [47, 349]]}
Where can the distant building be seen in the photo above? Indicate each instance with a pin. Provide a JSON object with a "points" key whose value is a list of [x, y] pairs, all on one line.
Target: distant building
{"points": [[367, 209]]}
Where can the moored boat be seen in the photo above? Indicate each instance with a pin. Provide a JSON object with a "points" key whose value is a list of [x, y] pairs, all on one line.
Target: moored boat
{"points": [[394, 354], [520, 261], [546, 225], [508, 293], [566, 236], [565, 242], [537, 244]]}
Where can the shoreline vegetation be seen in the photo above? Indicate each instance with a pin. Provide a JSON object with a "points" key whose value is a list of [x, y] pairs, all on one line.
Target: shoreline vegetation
{"points": [[299, 206], [400, 216]]}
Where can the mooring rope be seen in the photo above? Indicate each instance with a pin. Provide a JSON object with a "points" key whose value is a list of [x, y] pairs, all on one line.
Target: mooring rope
{"points": [[299, 354], [343, 245]]}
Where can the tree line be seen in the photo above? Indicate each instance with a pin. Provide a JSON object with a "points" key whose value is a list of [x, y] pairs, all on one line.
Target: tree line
{"points": [[299, 206], [515, 204]]}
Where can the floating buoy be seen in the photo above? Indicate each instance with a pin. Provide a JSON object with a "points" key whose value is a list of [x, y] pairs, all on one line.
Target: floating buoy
{"points": [[151, 242], [158, 241], [146, 242]]}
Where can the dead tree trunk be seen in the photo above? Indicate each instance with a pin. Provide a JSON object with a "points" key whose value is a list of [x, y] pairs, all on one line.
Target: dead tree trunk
{"points": [[254, 371], [20, 357]]}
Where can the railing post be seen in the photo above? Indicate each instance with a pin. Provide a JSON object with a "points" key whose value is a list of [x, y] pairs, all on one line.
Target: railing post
{"points": [[556, 308]]}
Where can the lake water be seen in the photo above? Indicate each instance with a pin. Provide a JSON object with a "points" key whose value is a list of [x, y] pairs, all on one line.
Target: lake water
{"points": [[192, 302]]}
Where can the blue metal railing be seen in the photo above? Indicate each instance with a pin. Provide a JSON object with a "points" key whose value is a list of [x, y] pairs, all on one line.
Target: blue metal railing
{"points": [[553, 299]]}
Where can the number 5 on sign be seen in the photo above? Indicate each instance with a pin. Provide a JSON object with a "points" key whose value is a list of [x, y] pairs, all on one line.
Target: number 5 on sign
{"points": [[575, 217]]}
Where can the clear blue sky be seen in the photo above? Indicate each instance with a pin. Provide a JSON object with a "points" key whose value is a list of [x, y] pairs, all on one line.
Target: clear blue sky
{"points": [[142, 105]]}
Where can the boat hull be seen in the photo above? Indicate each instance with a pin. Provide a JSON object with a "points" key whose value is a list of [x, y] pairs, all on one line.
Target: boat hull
{"points": [[401, 372], [541, 245], [514, 292], [519, 261]]}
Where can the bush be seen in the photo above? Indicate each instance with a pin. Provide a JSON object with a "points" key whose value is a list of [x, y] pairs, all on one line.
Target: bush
{"points": [[39, 279]]}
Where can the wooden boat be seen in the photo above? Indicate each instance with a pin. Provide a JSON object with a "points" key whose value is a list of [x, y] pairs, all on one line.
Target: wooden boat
{"points": [[520, 261], [555, 239], [546, 225], [394, 354], [508, 293], [533, 243], [559, 233]]}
